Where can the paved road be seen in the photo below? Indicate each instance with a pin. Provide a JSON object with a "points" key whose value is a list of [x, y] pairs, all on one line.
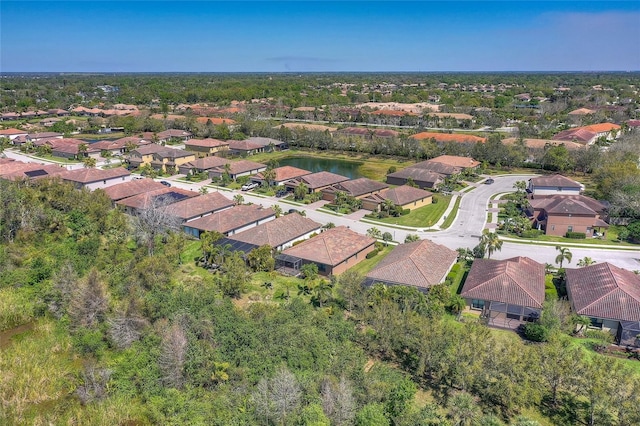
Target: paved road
{"points": [[464, 232]]}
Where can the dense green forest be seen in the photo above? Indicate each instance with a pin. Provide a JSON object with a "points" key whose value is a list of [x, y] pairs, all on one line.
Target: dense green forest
{"points": [[94, 329]]}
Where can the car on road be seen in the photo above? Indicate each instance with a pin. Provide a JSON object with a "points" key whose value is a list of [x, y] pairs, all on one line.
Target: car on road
{"points": [[489, 181], [249, 186], [165, 183]]}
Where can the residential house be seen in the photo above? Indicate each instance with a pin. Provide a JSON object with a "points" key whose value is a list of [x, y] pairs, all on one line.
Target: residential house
{"points": [[174, 135], [92, 178], [280, 233], [333, 251], [559, 214], [420, 264], [14, 170], [34, 137], [448, 137], [203, 164], [238, 169], [552, 185], [269, 144], [316, 182], [160, 157], [12, 133], [587, 135], [541, 144], [358, 188], [114, 148], [128, 189], [406, 197], [206, 147], [230, 221], [610, 297], [421, 177], [201, 206], [160, 198], [282, 174], [582, 112], [369, 133], [430, 173], [506, 292], [245, 148], [69, 148]]}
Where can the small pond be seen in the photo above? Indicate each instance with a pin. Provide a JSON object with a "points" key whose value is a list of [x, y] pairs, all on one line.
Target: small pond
{"points": [[350, 169]]}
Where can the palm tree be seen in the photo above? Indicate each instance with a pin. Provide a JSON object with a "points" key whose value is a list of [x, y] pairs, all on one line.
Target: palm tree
{"points": [[565, 254], [238, 199], [300, 191], [457, 305], [374, 233], [387, 205], [323, 291], [582, 321], [586, 261], [89, 163], [491, 242], [304, 290], [411, 238], [277, 210]]}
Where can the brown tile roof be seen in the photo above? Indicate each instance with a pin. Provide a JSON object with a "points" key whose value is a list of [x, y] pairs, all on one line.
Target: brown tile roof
{"points": [[205, 143], [582, 111], [285, 173], [579, 135], [134, 187], [331, 247], [443, 169], [403, 194], [604, 291], [162, 151], [108, 145], [45, 135], [231, 219], [265, 142], [12, 170], [245, 145], [203, 204], [11, 132], [90, 175], [278, 232], [215, 120], [556, 180], [321, 179], [420, 175], [207, 163], [174, 133], [448, 137], [567, 204], [420, 264], [241, 166], [358, 187], [516, 281], [147, 199]]}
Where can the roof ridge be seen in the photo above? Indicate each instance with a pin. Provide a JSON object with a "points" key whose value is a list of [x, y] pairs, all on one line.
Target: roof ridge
{"points": [[510, 275], [610, 272]]}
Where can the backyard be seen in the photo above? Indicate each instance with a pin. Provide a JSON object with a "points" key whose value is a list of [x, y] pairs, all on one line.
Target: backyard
{"points": [[423, 216]]}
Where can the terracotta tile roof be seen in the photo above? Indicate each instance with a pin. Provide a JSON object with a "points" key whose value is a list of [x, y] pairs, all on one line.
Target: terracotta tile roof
{"points": [[420, 264], [448, 137], [279, 231], [331, 247], [579, 135], [147, 199], [207, 163], [215, 120], [604, 291], [542, 143], [90, 175], [582, 111], [602, 127], [556, 180], [231, 219], [358, 187], [455, 161], [403, 194], [205, 143], [517, 281], [320, 179], [203, 204], [134, 187], [11, 132], [285, 173]]}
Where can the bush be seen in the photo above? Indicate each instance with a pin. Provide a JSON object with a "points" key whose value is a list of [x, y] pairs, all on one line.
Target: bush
{"points": [[531, 233], [603, 336], [405, 212], [576, 235], [536, 332], [372, 253]]}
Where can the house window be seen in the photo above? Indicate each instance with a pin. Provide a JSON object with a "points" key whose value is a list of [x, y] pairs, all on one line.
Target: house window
{"points": [[569, 228], [513, 316], [477, 304], [596, 322], [553, 227], [104, 182]]}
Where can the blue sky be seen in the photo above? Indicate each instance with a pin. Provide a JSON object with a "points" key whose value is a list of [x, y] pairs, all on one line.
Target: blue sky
{"points": [[299, 36]]}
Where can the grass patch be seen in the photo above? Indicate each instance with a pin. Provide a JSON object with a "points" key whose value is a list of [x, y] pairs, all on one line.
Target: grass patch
{"points": [[449, 220], [367, 265], [423, 216], [610, 239], [490, 217]]}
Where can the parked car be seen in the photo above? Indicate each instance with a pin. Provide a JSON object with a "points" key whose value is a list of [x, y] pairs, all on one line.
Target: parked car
{"points": [[489, 181], [293, 211], [281, 193], [249, 186], [165, 183]]}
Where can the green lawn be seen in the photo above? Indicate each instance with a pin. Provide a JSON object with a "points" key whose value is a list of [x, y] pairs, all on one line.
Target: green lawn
{"points": [[610, 239], [366, 265], [423, 216], [449, 220]]}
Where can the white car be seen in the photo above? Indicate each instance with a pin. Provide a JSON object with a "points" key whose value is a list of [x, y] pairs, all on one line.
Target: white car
{"points": [[249, 186]]}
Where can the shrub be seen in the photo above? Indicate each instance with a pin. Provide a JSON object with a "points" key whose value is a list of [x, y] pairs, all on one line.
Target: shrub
{"points": [[372, 253], [576, 235], [405, 212], [536, 332], [599, 335]]}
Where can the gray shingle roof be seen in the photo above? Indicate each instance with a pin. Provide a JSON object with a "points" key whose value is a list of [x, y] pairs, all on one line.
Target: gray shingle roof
{"points": [[604, 291], [516, 281]]}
